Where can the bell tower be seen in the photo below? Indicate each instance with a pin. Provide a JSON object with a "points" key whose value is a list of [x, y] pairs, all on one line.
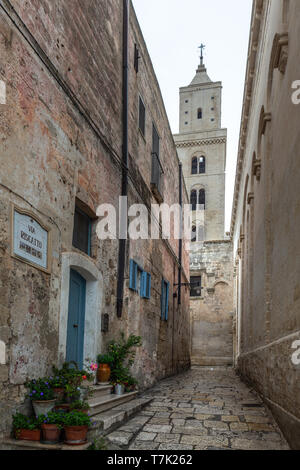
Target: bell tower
{"points": [[201, 147]]}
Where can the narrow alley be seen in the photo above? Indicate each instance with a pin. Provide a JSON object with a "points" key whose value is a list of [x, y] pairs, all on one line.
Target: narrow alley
{"points": [[202, 409]]}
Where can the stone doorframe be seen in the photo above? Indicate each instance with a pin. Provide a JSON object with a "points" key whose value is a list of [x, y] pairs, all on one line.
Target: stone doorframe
{"points": [[93, 307]]}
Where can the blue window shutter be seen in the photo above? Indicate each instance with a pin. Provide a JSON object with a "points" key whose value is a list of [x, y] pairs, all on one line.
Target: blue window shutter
{"points": [[167, 300], [143, 284], [148, 286], [133, 275]]}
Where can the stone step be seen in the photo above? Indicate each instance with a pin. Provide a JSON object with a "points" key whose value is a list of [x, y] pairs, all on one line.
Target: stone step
{"points": [[108, 421], [98, 405], [100, 390], [13, 444]]}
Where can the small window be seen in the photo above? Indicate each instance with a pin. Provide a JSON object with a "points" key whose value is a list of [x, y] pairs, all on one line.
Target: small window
{"points": [[202, 198], [186, 112], [142, 116], [199, 113], [186, 101], [186, 123], [139, 280], [195, 166], [165, 286], [194, 199], [195, 285], [82, 231], [202, 165], [212, 120]]}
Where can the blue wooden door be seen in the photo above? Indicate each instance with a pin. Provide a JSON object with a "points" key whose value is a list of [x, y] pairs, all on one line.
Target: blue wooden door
{"points": [[76, 318]]}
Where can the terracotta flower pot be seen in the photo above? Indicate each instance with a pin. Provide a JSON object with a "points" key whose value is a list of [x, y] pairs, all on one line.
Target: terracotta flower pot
{"points": [[103, 373], [50, 433], [43, 407], [75, 435], [28, 435]]}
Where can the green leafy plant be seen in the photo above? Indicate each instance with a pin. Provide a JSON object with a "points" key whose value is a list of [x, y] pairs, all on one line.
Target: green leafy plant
{"points": [[79, 405], [21, 421], [123, 354], [73, 378], [105, 359], [76, 418], [130, 384], [53, 417], [40, 390], [98, 444]]}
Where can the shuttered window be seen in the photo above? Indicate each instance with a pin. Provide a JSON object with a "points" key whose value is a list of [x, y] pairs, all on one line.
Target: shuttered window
{"points": [[146, 285], [133, 275], [139, 280]]}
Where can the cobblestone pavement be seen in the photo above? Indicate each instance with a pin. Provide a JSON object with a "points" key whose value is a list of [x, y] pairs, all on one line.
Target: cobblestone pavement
{"points": [[201, 409]]}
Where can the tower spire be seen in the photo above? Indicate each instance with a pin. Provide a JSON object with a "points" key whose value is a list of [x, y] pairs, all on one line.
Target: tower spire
{"points": [[202, 47]]}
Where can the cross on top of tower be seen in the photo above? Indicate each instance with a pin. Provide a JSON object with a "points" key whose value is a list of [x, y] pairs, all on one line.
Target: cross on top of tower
{"points": [[202, 47]]}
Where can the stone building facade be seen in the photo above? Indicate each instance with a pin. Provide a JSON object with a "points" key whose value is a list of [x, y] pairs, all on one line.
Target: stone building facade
{"points": [[61, 157], [201, 146], [266, 218]]}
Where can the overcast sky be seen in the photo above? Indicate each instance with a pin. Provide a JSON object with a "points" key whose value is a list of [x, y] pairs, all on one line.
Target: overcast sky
{"points": [[173, 31]]}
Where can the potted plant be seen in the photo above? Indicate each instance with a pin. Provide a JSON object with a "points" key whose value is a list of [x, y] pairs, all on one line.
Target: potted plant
{"points": [[41, 395], [51, 426], [80, 405], [58, 383], [25, 428], [104, 370], [75, 378], [123, 354], [130, 384], [76, 425]]}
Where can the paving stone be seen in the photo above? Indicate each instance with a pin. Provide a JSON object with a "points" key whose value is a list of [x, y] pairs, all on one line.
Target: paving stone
{"points": [[179, 447], [230, 419], [159, 428], [188, 430], [202, 442], [178, 422], [120, 438], [168, 438], [203, 417], [247, 444], [160, 421], [216, 425], [257, 419], [260, 427], [240, 427], [145, 436], [143, 445]]}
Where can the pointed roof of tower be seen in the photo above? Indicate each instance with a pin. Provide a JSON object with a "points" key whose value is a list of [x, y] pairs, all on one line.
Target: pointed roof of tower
{"points": [[201, 76]]}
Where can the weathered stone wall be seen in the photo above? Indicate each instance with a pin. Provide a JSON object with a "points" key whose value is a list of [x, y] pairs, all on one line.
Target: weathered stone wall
{"points": [[212, 313], [266, 217], [61, 138]]}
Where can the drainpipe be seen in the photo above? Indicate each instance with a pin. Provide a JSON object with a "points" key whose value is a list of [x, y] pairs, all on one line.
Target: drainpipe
{"points": [[122, 242], [181, 235]]}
